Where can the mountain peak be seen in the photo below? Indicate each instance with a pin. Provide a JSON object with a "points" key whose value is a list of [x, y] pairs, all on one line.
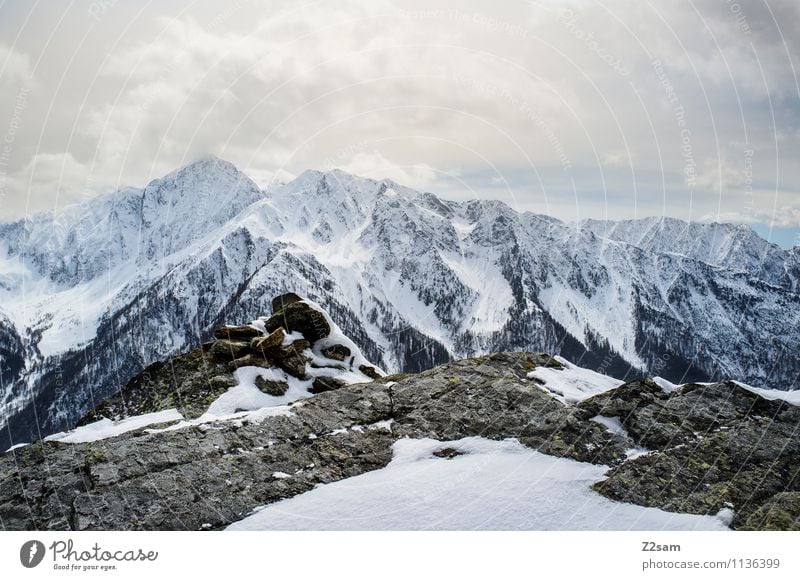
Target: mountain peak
{"points": [[208, 166], [347, 180]]}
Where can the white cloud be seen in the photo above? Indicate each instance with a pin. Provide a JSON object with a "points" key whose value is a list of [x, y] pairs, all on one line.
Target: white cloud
{"points": [[266, 179], [721, 174], [521, 93], [51, 181], [372, 164], [782, 217], [15, 67]]}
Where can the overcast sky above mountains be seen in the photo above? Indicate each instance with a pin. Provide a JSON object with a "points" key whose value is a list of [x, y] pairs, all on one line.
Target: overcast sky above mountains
{"points": [[576, 110]]}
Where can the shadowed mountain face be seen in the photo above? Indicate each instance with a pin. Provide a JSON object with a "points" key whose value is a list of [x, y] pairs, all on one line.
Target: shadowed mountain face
{"points": [[94, 295]]}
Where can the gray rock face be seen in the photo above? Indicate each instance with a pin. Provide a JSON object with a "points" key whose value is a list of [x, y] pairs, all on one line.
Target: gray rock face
{"points": [[299, 316], [369, 371], [282, 301], [780, 512], [228, 350], [274, 388], [189, 383], [336, 352], [12, 351], [714, 445], [263, 344], [236, 332], [323, 384]]}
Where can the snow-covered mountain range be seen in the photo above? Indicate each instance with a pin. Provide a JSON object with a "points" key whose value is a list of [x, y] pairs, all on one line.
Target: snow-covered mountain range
{"points": [[91, 296]]}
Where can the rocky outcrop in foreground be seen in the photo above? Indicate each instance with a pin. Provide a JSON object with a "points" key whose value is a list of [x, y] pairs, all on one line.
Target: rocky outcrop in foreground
{"points": [[282, 343], [700, 448]]}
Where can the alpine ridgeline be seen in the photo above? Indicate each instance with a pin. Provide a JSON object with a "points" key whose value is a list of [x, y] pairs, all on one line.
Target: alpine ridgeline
{"points": [[91, 296], [276, 409]]}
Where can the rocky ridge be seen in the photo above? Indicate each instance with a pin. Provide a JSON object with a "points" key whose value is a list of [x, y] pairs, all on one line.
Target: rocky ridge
{"points": [[698, 448]]}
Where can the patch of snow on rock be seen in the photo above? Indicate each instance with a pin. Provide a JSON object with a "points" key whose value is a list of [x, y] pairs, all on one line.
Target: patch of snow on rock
{"points": [[105, 428], [491, 485], [572, 384]]}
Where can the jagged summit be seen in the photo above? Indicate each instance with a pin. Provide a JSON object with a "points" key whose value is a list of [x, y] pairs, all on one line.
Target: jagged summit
{"points": [[732, 246], [207, 163]]}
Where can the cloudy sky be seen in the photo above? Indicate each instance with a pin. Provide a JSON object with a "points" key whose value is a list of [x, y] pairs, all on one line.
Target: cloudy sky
{"points": [[613, 109]]}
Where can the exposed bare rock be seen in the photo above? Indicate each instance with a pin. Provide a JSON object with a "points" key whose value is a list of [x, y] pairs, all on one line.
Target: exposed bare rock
{"points": [[243, 332]]}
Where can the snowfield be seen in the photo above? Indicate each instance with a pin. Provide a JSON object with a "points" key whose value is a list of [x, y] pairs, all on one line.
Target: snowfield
{"points": [[494, 485]]}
